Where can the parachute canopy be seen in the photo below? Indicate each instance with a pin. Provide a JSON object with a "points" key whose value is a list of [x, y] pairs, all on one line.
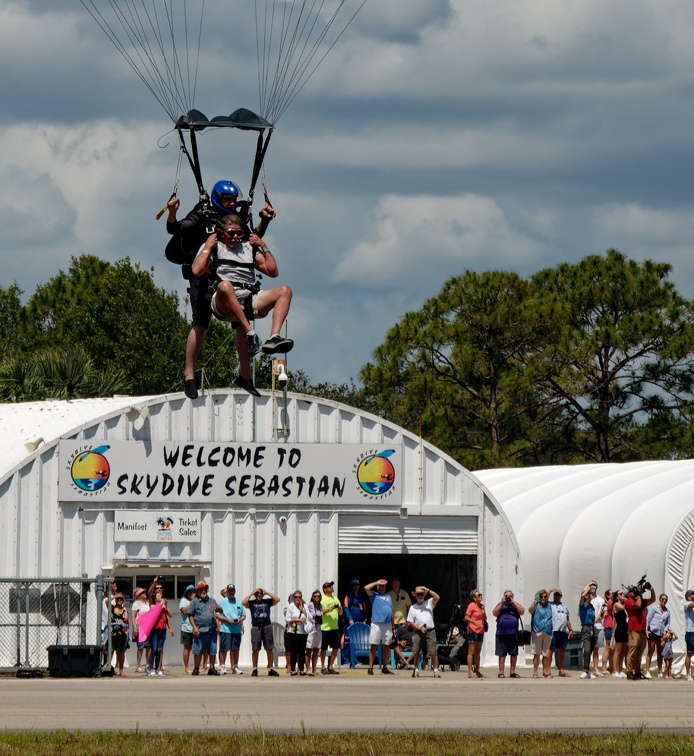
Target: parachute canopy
{"points": [[194, 120]]}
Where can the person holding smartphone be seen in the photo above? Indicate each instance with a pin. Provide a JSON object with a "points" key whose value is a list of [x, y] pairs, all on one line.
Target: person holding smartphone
{"points": [[507, 612]]}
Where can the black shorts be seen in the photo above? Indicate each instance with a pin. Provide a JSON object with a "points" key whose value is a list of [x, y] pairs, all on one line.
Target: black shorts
{"points": [[331, 638], [200, 294]]}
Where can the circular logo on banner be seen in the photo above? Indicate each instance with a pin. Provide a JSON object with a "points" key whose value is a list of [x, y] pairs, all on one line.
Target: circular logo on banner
{"points": [[376, 473], [90, 470]]}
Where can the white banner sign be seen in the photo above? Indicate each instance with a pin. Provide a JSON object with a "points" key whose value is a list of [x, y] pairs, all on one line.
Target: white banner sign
{"points": [[214, 473], [146, 526]]}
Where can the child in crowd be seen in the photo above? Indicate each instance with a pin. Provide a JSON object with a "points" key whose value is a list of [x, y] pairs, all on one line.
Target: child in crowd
{"points": [[666, 644]]}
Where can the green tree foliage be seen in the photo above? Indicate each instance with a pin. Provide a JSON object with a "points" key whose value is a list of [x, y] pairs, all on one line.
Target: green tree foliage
{"points": [[619, 358], [584, 362], [453, 367], [10, 316], [57, 374], [117, 315]]}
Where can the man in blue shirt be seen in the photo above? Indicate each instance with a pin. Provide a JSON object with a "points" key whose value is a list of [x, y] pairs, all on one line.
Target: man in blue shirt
{"points": [[230, 630], [381, 623]]}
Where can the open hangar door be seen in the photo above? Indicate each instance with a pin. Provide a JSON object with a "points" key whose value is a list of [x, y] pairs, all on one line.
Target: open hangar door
{"points": [[439, 552]]}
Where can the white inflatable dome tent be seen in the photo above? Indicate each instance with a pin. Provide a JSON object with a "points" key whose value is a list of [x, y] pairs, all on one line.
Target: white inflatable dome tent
{"points": [[608, 522]]}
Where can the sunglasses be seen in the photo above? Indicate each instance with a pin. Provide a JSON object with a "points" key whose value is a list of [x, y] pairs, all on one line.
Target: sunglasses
{"points": [[229, 232]]}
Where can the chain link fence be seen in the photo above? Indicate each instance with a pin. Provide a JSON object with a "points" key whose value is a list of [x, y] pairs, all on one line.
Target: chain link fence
{"points": [[42, 612]]}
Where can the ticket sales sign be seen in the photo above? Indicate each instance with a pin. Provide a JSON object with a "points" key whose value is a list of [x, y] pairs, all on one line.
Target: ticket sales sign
{"points": [[218, 473], [147, 526]]}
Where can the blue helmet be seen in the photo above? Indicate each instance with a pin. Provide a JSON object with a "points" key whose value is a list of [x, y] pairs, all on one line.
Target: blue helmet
{"points": [[225, 189]]}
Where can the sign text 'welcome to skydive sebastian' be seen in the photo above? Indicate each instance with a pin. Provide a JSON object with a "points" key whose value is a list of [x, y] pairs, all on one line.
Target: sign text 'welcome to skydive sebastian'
{"points": [[140, 471]]}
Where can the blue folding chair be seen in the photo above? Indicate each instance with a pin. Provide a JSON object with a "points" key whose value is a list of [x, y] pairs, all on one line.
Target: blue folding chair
{"points": [[359, 645]]}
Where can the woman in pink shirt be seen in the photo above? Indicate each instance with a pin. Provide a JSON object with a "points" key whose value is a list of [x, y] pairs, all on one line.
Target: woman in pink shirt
{"points": [[475, 616]]}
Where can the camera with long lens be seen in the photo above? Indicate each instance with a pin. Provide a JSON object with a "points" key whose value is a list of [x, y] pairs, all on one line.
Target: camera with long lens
{"points": [[641, 586]]}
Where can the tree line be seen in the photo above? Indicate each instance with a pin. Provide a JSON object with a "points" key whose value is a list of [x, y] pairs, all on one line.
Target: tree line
{"points": [[584, 362]]}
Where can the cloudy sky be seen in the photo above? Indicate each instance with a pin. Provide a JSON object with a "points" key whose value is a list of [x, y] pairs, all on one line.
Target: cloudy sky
{"points": [[437, 136]]}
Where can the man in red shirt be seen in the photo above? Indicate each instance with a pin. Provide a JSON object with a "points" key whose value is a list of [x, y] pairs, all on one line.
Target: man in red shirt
{"points": [[635, 606]]}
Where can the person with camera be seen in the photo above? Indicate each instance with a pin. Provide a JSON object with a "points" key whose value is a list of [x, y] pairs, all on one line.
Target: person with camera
{"points": [[508, 613], [330, 628], [657, 624], [620, 633], [589, 635], [635, 607], [261, 627]]}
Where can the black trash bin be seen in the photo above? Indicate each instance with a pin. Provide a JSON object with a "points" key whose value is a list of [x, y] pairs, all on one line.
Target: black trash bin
{"points": [[74, 661]]}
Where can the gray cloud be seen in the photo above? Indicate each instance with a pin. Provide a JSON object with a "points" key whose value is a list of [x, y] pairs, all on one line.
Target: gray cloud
{"points": [[437, 136]]}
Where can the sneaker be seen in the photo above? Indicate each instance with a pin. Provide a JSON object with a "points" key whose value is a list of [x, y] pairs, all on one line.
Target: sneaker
{"points": [[212, 671], [252, 344], [236, 671], [273, 673], [333, 672], [151, 673], [196, 671], [415, 672], [277, 345], [254, 673], [369, 671], [191, 390], [160, 673], [585, 675], [247, 385], [437, 672], [386, 671], [222, 670]]}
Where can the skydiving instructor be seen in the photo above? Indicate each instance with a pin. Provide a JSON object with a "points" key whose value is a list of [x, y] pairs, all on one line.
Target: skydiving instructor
{"points": [[187, 237]]}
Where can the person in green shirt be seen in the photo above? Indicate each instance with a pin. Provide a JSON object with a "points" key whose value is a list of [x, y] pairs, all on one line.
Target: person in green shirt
{"points": [[332, 610]]}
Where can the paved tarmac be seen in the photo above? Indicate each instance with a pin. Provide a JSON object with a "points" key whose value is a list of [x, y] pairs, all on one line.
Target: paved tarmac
{"points": [[352, 701]]}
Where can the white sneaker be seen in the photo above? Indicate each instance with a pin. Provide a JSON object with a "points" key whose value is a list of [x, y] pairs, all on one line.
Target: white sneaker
{"points": [[222, 670], [160, 673], [236, 671], [415, 672], [660, 675], [585, 675], [151, 673], [437, 672]]}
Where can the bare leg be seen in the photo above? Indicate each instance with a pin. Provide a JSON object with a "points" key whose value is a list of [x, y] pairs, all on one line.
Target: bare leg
{"points": [[193, 347]]}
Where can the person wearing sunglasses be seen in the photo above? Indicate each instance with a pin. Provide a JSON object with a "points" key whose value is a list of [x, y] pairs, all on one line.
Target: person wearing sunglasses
{"points": [[188, 235], [420, 619], [237, 298]]}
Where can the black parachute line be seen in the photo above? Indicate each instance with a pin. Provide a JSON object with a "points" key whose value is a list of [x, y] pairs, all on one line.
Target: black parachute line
{"points": [[160, 41], [292, 40]]}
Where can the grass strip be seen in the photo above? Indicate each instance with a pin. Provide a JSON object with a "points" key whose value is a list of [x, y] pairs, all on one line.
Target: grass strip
{"points": [[459, 743]]}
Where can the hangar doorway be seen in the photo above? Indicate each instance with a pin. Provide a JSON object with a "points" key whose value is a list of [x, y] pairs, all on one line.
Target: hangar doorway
{"points": [[439, 552]]}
